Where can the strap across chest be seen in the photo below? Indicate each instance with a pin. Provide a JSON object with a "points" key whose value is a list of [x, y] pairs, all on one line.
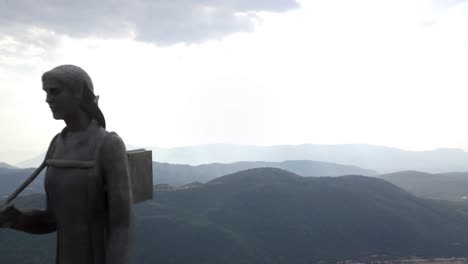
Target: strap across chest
{"points": [[78, 164]]}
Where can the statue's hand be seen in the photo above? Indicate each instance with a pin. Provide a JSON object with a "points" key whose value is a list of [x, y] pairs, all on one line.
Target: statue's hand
{"points": [[8, 216]]}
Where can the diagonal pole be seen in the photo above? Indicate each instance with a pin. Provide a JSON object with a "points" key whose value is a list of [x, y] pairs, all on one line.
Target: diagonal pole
{"points": [[26, 183]]}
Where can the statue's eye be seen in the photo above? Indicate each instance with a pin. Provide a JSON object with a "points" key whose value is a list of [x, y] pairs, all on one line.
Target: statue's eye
{"points": [[54, 91]]}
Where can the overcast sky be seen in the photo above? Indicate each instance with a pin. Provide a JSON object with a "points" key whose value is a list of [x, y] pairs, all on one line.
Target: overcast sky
{"points": [[264, 72]]}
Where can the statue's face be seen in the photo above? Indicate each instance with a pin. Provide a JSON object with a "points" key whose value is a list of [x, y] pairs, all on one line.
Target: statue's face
{"points": [[61, 101]]}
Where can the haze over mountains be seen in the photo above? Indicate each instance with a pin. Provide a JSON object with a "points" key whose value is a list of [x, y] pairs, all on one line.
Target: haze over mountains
{"points": [[377, 158], [269, 215], [444, 186], [6, 165]]}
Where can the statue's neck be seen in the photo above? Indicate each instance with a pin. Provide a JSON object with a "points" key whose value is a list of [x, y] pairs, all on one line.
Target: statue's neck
{"points": [[78, 121]]}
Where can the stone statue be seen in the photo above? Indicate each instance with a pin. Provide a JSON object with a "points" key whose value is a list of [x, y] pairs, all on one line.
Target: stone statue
{"points": [[88, 188]]}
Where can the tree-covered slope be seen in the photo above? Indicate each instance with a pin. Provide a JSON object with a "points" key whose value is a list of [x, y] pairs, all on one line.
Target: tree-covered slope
{"points": [[269, 215]]}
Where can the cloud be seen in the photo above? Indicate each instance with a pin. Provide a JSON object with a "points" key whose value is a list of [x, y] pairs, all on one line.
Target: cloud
{"points": [[449, 3], [22, 48], [162, 22]]}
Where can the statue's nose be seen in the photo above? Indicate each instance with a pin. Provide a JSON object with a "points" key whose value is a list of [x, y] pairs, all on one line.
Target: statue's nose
{"points": [[48, 99]]}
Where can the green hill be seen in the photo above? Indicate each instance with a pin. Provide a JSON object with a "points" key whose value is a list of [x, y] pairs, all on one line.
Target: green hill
{"points": [[269, 215], [289, 219]]}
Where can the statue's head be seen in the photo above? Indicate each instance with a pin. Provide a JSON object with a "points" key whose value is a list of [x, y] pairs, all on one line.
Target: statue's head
{"points": [[69, 89]]}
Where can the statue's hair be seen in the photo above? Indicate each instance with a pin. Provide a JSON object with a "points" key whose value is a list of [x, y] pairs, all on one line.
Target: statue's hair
{"points": [[81, 85], [72, 77]]}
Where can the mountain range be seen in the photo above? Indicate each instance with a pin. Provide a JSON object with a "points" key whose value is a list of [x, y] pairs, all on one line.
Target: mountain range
{"points": [[269, 215], [443, 186], [178, 174], [377, 158], [6, 165]]}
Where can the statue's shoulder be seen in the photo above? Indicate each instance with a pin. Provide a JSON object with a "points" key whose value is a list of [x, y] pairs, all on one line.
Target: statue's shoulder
{"points": [[112, 146], [52, 146]]}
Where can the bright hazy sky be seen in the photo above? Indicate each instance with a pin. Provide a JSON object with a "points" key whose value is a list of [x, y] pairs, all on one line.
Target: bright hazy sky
{"points": [[263, 72]]}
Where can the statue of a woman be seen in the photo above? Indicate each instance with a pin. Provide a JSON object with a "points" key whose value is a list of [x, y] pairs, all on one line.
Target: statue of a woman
{"points": [[89, 198]]}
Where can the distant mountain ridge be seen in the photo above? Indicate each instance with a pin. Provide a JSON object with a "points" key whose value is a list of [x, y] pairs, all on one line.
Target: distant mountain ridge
{"points": [[177, 174], [6, 165], [36, 160], [269, 215], [443, 186], [32, 162], [378, 158]]}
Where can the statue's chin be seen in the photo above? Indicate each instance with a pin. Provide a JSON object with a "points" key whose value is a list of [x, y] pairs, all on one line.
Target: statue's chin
{"points": [[57, 116]]}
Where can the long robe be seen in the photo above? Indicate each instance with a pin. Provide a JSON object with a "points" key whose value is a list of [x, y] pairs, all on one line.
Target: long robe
{"points": [[89, 200]]}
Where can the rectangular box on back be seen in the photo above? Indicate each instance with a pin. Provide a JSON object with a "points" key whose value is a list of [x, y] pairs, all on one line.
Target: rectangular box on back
{"points": [[140, 168]]}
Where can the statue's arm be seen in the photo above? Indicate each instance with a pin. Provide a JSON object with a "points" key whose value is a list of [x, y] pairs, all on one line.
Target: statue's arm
{"points": [[35, 221], [119, 200]]}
